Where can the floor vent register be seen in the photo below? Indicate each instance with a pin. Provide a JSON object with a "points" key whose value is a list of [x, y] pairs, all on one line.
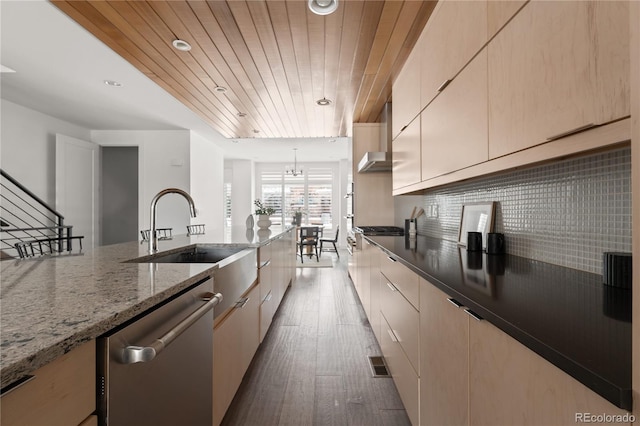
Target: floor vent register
{"points": [[378, 366]]}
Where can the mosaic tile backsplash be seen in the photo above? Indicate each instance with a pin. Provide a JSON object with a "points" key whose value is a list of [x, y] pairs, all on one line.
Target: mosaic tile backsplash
{"points": [[566, 213]]}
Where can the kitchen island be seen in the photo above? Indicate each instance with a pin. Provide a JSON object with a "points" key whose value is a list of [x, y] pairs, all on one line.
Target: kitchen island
{"points": [[51, 305]]}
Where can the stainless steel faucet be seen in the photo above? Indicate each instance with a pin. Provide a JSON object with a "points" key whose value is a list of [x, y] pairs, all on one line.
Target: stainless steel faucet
{"points": [[153, 240]]}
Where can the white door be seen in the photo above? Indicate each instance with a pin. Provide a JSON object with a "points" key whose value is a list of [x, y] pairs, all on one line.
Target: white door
{"points": [[77, 186]]}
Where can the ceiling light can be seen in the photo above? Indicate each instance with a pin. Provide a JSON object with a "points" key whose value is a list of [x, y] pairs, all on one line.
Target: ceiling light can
{"points": [[323, 7], [181, 45], [323, 102]]}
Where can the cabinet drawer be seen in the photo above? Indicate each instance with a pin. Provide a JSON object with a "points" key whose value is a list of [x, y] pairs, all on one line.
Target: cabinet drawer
{"points": [[404, 321], [402, 278], [404, 377], [62, 392], [267, 309], [264, 254], [265, 275]]}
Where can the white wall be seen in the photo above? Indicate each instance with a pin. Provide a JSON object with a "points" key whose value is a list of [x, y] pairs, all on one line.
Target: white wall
{"points": [[207, 177], [27, 147], [164, 157], [242, 189]]}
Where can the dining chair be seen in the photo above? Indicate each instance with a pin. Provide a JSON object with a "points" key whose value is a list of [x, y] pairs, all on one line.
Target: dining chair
{"points": [[332, 241], [308, 239]]}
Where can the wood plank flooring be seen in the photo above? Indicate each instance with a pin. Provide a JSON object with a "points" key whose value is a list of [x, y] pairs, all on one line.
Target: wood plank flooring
{"points": [[312, 367]]}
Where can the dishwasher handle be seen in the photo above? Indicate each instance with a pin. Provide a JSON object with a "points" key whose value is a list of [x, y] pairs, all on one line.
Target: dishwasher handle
{"points": [[132, 354]]}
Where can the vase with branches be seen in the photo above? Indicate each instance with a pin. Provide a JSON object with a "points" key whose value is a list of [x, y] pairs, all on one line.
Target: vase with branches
{"points": [[263, 212]]}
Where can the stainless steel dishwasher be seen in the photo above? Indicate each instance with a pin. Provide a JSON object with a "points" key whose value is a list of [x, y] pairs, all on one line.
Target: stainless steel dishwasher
{"points": [[157, 370]]}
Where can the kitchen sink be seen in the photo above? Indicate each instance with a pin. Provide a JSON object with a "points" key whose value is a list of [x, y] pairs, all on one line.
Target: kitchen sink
{"points": [[201, 253], [236, 268]]}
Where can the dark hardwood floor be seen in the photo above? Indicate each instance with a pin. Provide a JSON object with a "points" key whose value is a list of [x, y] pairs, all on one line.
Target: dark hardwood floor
{"points": [[312, 367]]}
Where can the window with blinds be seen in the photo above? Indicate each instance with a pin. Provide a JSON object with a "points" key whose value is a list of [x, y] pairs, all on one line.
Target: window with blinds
{"points": [[311, 193]]}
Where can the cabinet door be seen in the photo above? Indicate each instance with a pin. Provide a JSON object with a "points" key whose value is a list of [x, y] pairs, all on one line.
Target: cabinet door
{"points": [[555, 68], [510, 384], [404, 322], [265, 270], [454, 34], [236, 340], [406, 93], [455, 124], [406, 156], [444, 359], [403, 278], [499, 12], [375, 293], [403, 375], [61, 393], [364, 276]]}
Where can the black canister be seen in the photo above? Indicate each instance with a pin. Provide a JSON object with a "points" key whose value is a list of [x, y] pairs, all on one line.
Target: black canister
{"points": [[474, 241], [616, 269], [495, 243]]}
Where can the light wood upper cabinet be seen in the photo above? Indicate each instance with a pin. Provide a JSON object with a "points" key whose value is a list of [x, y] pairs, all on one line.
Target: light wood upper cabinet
{"points": [[556, 67], [454, 34], [499, 12], [406, 93], [444, 359], [406, 156], [454, 126], [510, 384], [61, 393]]}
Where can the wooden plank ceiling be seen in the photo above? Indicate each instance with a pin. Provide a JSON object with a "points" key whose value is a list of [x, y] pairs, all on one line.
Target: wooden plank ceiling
{"points": [[275, 58]]}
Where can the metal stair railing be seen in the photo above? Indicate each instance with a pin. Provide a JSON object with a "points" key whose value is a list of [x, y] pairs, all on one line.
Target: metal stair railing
{"points": [[26, 217]]}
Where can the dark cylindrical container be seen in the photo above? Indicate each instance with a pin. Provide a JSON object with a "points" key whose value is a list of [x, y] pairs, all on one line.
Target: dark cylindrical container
{"points": [[495, 243], [616, 269], [474, 241]]}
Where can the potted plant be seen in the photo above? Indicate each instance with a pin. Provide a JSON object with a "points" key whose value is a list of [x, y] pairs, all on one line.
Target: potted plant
{"points": [[263, 214]]}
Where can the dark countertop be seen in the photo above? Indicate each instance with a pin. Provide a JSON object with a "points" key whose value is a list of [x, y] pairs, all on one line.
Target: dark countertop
{"points": [[567, 316]]}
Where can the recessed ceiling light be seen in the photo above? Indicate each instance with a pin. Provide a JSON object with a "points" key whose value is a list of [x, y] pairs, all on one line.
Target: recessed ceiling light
{"points": [[256, 131], [220, 89], [242, 114], [323, 102], [181, 45], [323, 7], [112, 83]]}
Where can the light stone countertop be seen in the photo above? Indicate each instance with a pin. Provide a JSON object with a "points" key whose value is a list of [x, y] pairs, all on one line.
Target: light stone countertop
{"points": [[50, 305]]}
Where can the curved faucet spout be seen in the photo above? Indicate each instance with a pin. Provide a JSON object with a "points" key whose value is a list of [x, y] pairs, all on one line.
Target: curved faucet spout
{"points": [[153, 240]]}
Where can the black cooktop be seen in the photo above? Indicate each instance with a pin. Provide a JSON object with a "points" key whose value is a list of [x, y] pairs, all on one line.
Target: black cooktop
{"points": [[380, 230]]}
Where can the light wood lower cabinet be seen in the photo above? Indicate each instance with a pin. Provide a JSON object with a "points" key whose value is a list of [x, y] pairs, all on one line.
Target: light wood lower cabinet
{"points": [[63, 392], [235, 341], [402, 278], [404, 376], [444, 359], [375, 292], [403, 319], [510, 384], [364, 276], [556, 67], [472, 373]]}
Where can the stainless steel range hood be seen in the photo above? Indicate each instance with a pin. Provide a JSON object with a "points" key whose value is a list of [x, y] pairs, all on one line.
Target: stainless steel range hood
{"points": [[379, 161], [375, 162]]}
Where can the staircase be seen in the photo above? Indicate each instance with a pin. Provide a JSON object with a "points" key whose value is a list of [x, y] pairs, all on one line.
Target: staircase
{"points": [[28, 226]]}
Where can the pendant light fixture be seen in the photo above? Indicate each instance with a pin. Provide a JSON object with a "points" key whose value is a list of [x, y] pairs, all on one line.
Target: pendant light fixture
{"points": [[323, 7], [294, 171]]}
